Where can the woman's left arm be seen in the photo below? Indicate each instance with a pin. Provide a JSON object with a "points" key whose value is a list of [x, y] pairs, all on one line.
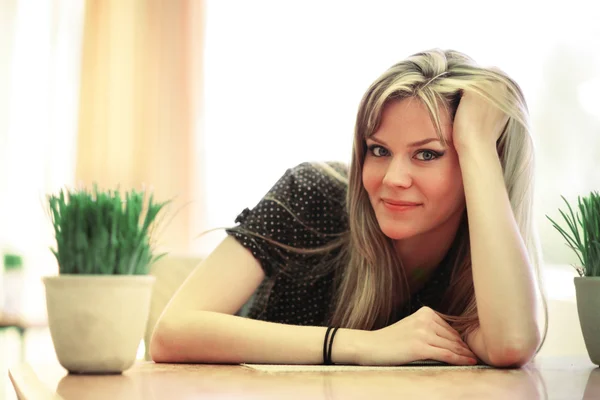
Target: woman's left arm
{"points": [[508, 334]]}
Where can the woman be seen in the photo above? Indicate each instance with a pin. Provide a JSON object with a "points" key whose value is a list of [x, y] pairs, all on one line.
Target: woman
{"points": [[424, 249]]}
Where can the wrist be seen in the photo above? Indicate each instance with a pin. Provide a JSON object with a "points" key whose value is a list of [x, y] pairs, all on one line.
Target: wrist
{"points": [[348, 345], [475, 149]]}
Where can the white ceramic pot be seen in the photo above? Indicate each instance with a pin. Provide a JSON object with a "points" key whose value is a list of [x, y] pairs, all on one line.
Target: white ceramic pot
{"points": [[97, 321]]}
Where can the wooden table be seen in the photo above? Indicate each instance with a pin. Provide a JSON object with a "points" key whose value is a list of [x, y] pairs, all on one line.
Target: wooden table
{"points": [[550, 378]]}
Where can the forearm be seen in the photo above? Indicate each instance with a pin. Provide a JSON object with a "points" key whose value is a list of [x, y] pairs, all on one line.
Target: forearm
{"points": [[502, 272], [209, 337]]}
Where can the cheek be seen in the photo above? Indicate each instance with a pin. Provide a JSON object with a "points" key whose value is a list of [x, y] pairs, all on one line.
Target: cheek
{"points": [[446, 187], [370, 177]]}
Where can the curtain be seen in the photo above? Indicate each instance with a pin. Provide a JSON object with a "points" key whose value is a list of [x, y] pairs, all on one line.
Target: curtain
{"points": [[104, 92], [140, 105], [40, 53]]}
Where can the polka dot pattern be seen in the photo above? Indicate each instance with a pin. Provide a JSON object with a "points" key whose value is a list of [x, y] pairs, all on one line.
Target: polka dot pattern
{"points": [[304, 209]]}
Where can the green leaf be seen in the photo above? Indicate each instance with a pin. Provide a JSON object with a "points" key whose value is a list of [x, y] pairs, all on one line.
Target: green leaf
{"points": [[103, 232], [584, 232]]}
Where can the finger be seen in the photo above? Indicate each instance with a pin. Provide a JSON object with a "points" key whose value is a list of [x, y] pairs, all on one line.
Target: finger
{"points": [[441, 321], [450, 341], [450, 357], [446, 331], [437, 318], [451, 352], [443, 343]]}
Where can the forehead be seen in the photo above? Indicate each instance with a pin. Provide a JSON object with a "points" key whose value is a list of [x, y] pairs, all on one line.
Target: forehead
{"points": [[410, 119]]}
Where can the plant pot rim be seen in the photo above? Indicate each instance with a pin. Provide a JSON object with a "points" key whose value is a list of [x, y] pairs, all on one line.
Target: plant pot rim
{"points": [[586, 277], [97, 277]]}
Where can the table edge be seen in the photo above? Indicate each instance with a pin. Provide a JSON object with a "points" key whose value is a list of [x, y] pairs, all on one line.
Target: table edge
{"points": [[28, 386]]}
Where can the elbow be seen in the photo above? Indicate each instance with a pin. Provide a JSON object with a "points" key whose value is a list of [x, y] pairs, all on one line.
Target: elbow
{"points": [[172, 341], [159, 343], [513, 354]]}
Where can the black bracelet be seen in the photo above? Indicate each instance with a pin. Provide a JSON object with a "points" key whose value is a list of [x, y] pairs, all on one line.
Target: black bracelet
{"points": [[327, 347], [325, 344], [329, 362]]}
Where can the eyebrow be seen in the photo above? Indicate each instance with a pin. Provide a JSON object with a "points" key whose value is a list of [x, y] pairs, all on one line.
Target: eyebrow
{"points": [[415, 144]]}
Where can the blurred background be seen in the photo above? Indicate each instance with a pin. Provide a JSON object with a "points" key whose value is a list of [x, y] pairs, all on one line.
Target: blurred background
{"points": [[209, 101]]}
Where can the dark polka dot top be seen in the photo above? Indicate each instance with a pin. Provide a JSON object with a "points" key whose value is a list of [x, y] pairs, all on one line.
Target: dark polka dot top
{"points": [[305, 209]]}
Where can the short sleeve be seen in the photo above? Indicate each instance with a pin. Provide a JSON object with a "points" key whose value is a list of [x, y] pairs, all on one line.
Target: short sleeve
{"points": [[305, 209]]}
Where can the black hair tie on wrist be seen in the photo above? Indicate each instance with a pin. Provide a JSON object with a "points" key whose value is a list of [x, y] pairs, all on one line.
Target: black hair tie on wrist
{"points": [[325, 345], [328, 345]]}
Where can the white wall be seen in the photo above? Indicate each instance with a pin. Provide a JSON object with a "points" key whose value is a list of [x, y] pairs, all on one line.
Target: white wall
{"points": [[284, 79]]}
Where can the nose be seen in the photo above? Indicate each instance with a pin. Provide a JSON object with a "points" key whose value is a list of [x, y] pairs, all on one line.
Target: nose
{"points": [[398, 174]]}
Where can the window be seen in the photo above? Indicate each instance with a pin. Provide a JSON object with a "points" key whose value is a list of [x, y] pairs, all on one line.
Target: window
{"points": [[283, 81]]}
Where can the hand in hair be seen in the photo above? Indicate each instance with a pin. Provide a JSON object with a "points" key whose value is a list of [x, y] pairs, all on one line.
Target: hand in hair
{"points": [[478, 121], [423, 335]]}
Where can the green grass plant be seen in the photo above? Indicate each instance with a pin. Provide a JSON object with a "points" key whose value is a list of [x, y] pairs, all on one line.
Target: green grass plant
{"points": [[104, 232], [583, 233]]}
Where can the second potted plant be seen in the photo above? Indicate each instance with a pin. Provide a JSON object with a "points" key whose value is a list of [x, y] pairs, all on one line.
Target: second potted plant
{"points": [[583, 237], [98, 304]]}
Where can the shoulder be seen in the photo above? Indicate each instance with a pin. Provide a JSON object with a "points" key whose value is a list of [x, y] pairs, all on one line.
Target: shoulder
{"points": [[326, 172], [334, 170], [311, 182], [305, 209], [308, 191]]}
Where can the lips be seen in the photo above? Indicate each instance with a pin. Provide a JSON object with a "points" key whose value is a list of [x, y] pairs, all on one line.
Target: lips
{"points": [[400, 203], [396, 206]]}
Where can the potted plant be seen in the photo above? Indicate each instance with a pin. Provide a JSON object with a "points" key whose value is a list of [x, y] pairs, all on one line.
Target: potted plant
{"points": [[12, 279], [98, 304], [583, 236]]}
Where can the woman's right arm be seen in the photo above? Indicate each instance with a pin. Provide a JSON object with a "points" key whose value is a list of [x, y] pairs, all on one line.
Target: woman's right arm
{"points": [[197, 326]]}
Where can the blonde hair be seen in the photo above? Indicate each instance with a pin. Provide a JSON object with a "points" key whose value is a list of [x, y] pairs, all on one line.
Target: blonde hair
{"points": [[437, 78], [367, 264]]}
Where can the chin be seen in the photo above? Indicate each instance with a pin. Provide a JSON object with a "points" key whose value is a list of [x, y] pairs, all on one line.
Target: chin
{"points": [[396, 233]]}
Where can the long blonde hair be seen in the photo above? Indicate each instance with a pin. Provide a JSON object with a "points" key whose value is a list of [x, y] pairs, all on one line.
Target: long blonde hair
{"points": [[437, 78]]}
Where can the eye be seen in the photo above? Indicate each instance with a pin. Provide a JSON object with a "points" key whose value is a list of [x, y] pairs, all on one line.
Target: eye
{"points": [[428, 155], [378, 151]]}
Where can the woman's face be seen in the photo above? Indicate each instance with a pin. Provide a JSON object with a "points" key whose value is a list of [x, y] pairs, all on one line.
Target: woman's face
{"points": [[413, 181]]}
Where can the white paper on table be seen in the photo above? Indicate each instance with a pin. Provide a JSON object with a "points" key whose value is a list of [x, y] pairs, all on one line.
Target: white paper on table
{"points": [[339, 368]]}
